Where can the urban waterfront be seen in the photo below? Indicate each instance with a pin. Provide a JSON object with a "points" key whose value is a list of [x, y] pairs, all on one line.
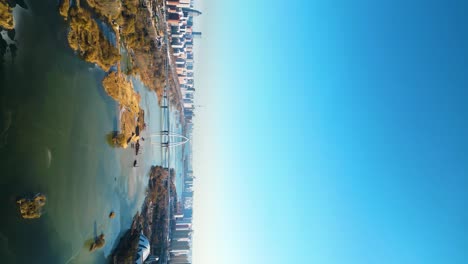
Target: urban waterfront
{"points": [[55, 122]]}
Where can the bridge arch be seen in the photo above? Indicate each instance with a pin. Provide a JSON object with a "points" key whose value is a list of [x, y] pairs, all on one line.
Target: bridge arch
{"points": [[168, 139]]}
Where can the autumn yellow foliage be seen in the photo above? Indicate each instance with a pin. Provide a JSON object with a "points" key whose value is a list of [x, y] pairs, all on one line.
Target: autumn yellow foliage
{"points": [[120, 141], [6, 15], [110, 9], [64, 7], [86, 38], [118, 87]]}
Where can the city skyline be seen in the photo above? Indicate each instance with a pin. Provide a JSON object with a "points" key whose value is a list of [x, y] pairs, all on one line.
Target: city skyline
{"points": [[180, 16], [234, 132], [373, 95]]}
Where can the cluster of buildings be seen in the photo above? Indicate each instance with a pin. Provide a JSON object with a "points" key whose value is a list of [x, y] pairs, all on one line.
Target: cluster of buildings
{"points": [[181, 239], [180, 14], [179, 18]]}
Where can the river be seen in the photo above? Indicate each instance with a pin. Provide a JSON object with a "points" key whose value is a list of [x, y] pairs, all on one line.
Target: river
{"points": [[54, 120]]}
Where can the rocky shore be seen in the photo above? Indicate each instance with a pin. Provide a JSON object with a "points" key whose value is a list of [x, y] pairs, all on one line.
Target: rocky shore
{"points": [[135, 30], [139, 33], [152, 220]]}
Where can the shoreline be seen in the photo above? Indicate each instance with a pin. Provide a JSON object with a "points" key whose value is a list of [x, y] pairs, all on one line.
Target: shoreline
{"points": [[151, 220], [143, 60], [129, 182]]}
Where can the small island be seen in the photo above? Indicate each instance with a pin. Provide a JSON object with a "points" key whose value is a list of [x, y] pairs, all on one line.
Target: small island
{"points": [[98, 243], [31, 208]]}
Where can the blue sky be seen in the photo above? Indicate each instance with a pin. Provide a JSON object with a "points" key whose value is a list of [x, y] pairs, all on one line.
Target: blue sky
{"points": [[331, 132]]}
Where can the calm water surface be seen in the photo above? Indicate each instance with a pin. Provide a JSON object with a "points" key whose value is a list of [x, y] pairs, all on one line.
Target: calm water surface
{"points": [[54, 121]]}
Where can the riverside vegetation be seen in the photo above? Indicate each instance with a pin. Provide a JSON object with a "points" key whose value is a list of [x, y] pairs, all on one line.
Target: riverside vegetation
{"points": [[134, 25], [135, 33], [6, 15]]}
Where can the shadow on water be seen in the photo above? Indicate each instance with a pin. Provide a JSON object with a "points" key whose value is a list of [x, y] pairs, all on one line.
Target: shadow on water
{"points": [[87, 244], [95, 231], [115, 123]]}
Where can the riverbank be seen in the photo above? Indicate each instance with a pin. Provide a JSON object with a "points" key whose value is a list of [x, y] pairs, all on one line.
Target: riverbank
{"points": [[137, 32], [58, 114], [137, 28], [53, 141], [152, 221]]}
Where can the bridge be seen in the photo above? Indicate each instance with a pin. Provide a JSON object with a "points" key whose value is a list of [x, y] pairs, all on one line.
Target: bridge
{"points": [[167, 139]]}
